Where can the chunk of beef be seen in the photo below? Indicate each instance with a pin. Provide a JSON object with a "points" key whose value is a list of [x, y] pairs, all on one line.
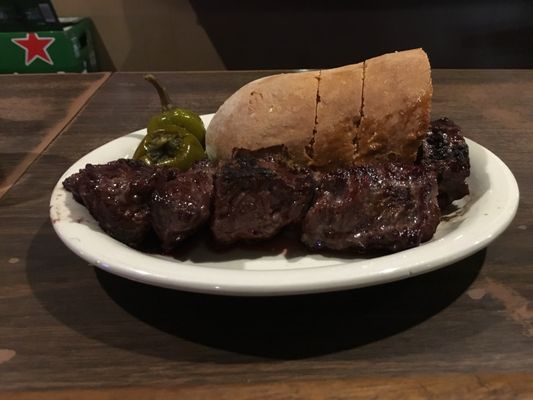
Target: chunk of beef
{"points": [[258, 193], [445, 151], [117, 195], [182, 205], [387, 208]]}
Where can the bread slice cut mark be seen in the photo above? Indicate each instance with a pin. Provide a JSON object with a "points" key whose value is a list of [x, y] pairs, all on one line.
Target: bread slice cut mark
{"points": [[360, 113], [397, 101], [338, 114], [309, 148], [355, 140]]}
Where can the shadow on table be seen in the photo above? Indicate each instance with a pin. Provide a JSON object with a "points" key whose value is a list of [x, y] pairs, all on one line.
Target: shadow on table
{"points": [[295, 326], [289, 327]]}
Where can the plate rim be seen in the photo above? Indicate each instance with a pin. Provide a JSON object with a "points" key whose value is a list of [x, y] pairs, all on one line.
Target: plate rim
{"points": [[283, 282]]}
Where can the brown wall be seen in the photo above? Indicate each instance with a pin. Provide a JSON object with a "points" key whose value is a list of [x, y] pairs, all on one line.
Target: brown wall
{"points": [[281, 34], [137, 35]]}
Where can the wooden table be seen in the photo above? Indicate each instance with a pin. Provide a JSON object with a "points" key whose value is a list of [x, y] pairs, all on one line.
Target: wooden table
{"points": [[70, 331], [34, 109]]}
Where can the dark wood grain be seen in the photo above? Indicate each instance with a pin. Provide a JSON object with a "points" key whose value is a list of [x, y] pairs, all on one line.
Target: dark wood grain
{"points": [[446, 386], [69, 330], [33, 110]]}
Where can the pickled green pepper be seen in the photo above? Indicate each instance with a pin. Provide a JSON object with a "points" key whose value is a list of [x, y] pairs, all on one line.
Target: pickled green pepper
{"points": [[175, 137], [170, 148]]}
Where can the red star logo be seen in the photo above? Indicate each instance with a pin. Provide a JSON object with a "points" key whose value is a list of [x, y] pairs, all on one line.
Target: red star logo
{"points": [[35, 47]]}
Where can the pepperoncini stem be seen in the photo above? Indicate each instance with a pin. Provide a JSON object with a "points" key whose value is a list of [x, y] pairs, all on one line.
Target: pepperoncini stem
{"points": [[166, 104]]}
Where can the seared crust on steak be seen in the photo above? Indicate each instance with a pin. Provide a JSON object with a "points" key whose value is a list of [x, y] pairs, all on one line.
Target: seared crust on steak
{"points": [[257, 194], [445, 151], [117, 195], [181, 206], [388, 207], [378, 207]]}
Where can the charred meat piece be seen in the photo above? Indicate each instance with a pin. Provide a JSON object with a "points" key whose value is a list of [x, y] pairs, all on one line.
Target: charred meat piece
{"points": [[258, 193], [445, 151], [182, 205], [117, 196], [383, 208]]}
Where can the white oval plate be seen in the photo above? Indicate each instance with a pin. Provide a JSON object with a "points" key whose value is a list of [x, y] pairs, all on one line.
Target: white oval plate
{"points": [[484, 215]]}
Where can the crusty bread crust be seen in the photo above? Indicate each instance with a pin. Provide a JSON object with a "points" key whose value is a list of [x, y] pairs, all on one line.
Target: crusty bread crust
{"points": [[396, 107], [338, 115], [361, 113], [275, 110]]}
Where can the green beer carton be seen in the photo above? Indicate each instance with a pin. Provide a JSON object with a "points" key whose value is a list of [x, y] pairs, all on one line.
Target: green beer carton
{"points": [[69, 49]]}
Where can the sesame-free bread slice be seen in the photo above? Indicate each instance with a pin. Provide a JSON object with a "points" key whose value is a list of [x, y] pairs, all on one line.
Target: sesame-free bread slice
{"points": [[357, 114], [338, 115], [275, 110], [396, 107]]}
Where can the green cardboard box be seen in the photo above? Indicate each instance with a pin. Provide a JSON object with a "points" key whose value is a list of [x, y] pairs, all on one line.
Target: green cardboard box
{"points": [[68, 50]]}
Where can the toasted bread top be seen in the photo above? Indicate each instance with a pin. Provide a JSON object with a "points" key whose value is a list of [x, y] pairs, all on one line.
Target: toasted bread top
{"points": [[338, 115], [278, 109], [360, 113], [396, 107]]}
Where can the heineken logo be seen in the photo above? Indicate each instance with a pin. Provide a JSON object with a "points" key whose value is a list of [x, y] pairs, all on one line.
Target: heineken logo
{"points": [[35, 47]]}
